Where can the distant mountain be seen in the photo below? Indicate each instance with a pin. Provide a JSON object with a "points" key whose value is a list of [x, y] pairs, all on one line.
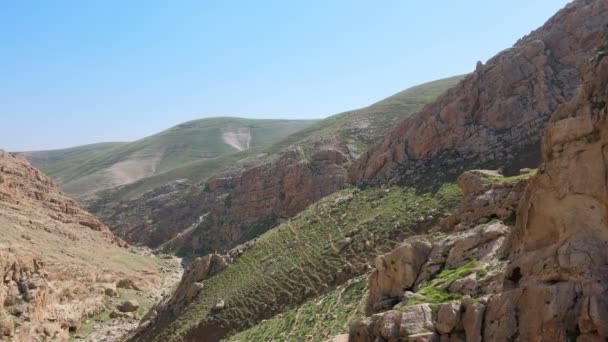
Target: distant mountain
{"points": [[50, 158], [83, 174]]}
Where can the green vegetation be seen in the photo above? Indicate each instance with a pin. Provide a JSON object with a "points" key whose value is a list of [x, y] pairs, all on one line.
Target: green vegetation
{"points": [[175, 147], [51, 158], [362, 127], [481, 273], [511, 179], [316, 320], [434, 291], [101, 318], [312, 253]]}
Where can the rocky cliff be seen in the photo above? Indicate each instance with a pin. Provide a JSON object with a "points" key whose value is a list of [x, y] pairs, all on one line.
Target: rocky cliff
{"points": [[60, 268], [543, 279], [496, 116]]}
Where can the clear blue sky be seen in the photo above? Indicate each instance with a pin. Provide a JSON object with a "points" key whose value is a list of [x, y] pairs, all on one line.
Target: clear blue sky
{"points": [[76, 72]]}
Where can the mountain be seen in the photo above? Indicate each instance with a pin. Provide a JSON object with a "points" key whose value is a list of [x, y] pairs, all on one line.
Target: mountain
{"points": [[410, 250], [244, 194], [62, 270], [50, 158], [192, 141], [496, 116]]}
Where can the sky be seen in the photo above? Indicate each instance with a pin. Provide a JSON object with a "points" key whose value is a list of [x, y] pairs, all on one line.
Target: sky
{"points": [[79, 72]]}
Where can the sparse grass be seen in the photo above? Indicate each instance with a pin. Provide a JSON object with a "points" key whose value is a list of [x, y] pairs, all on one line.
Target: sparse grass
{"points": [[48, 159], [316, 320], [481, 273], [511, 179], [434, 291], [311, 254], [145, 304]]}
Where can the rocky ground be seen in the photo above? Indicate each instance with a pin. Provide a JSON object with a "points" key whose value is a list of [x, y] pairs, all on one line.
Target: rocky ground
{"points": [[59, 266]]}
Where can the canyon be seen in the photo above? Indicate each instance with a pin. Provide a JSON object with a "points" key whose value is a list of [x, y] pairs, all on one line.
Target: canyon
{"points": [[471, 208]]}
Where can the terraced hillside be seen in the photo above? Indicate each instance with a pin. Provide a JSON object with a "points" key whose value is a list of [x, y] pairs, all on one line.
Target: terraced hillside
{"points": [[321, 248], [205, 139], [262, 185]]}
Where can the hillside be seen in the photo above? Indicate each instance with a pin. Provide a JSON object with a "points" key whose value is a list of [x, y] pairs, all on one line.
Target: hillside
{"points": [[51, 158], [63, 270], [262, 185], [189, 142], [320, 248]]}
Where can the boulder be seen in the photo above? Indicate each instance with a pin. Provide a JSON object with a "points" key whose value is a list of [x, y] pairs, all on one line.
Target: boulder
{"points": [[448, 317], [395, 273], [128, 306], [416, 319], [472, 319]]}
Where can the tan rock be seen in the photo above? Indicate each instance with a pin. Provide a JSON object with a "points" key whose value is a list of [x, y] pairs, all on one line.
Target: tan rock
{"points": [[395, 273], [428, 336], [472, 319], [448, 317], [416, 319], [7, 326]]}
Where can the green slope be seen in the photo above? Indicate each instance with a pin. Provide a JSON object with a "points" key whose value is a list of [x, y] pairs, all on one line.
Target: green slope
{"points": [[357, 129], [309, 255], [192, 141], [50, 158]]}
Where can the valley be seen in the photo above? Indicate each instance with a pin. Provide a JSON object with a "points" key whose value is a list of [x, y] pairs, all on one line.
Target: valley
{"points": [[469, 208]]}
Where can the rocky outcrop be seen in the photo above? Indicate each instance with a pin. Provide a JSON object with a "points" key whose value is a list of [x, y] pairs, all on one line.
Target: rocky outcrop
{"points": [[422, 290], [395, 273], [23, 187], [486, 194], [544, 280], [557, 279], [496, 116]]}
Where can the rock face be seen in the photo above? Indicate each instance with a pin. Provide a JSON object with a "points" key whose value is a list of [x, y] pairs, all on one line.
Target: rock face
{"points": [[557, 279], [22, 186], [58, 263], [496, 116], [240, 204], [395, 273], [544, 280]]}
